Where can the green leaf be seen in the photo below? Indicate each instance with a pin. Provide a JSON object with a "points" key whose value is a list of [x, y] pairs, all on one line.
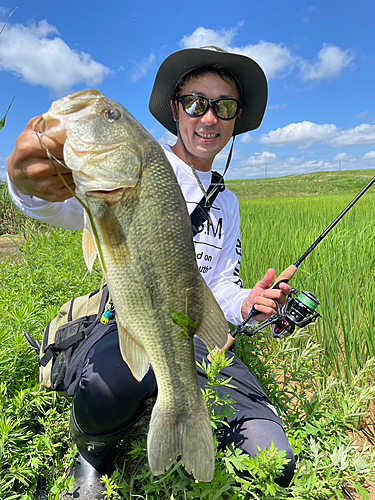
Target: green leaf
{"points": [[182, 320], [2, 121]]}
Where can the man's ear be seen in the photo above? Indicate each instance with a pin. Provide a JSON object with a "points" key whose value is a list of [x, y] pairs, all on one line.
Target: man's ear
{"points": [[174, 110]]}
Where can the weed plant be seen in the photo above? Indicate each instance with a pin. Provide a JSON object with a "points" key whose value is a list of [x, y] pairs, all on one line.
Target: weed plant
{"points": [[33, 424], [11, 220], [320, 378]]}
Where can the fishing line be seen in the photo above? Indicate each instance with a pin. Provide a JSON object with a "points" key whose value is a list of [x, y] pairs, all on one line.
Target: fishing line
{"points": [[186, 155], [340, 251], [52, 159]]}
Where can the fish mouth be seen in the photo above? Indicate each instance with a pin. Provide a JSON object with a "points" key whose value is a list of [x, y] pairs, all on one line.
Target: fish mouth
{"points": [[105, 192], [82, 148]]}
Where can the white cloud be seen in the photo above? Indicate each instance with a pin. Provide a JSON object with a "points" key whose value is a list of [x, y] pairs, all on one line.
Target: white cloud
{"points": [[35, 53], [302, 134], [276, 59], [363, 134], [331, 62], [246, 138], [141, 68], [268, 164], [362, 115], [277, 106], [308, 12], [167, 138], [260, 159], [342, 157], [369, 156], [203, 37], [3, 173], [4, 13], [272, 57]]}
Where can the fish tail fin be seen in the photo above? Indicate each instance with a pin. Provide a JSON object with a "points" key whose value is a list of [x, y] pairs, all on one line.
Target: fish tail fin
{"points": [[190, 436]]}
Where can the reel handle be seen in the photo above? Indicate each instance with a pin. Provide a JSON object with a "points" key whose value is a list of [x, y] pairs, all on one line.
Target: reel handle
{"points": [[284, 277]]}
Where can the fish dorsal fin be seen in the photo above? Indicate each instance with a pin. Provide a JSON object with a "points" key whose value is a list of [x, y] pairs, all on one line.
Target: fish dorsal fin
{"points": [[89, 248], [213, 329], [133, 353]]}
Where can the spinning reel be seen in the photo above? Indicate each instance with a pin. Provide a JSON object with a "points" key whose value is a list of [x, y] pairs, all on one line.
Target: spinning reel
{"points": [[297, 312]]}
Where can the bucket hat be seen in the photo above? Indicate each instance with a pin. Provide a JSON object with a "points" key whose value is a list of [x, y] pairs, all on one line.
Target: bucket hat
{"points": [[250, 76]]}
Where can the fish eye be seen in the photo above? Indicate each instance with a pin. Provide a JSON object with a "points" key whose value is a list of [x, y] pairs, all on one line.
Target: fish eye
{"points": [[112, 114]]}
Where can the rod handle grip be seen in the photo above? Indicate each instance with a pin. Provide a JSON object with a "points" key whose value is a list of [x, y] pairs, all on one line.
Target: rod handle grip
{"points": [[284, 277], [230, 341]]}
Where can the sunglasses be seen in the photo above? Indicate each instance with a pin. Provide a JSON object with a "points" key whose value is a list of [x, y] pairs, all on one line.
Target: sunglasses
{"points": [[196, 106]]}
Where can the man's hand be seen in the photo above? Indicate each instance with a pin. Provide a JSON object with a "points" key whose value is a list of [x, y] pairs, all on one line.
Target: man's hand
{"points": [[263, 298], [31, 171]]}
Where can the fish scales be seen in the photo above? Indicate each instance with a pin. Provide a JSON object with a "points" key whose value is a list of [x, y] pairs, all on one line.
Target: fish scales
{"points": [[144, 231]]}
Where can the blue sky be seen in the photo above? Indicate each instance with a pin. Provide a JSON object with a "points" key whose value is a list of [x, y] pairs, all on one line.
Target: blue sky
{"points": [[318, 56]]}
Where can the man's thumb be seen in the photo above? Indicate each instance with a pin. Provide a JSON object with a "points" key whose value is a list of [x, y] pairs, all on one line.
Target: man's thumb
{"points": [[268, 279]]}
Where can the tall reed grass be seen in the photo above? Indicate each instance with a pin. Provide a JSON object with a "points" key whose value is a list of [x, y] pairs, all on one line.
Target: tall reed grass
{"points": [[11, 219], [276, 232]]}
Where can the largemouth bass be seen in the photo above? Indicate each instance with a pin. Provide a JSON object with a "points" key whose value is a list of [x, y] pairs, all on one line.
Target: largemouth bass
{"points": [[140, 222]]}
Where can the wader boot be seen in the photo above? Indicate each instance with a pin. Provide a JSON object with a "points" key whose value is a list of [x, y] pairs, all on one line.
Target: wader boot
{"points": [[95, 458]]}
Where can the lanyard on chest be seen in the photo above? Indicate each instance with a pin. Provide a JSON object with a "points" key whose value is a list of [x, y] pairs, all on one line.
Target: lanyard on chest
{"points": [[201, 213]]}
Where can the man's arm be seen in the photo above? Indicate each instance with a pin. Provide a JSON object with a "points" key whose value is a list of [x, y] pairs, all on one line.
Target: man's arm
{"points": [[34, 185], [31, 172]]}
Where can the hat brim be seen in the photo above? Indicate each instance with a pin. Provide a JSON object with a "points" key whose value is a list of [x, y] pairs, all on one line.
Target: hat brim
{"points": [[254, 89]]}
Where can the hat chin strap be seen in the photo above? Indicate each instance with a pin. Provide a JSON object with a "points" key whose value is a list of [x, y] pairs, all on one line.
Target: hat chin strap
{"points": [[190, 163]]}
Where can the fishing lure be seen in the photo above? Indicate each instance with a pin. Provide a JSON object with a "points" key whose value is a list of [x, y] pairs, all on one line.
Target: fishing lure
{"points": [[108, 313]]}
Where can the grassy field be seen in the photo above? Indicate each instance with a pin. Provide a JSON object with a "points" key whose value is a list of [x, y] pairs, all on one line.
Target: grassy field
{"points": [[318, 183], [320, 378]]}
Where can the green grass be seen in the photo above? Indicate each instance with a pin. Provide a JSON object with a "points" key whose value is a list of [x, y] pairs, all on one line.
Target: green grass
{"points": [[339, 271], [320, 378], [318, 183]]}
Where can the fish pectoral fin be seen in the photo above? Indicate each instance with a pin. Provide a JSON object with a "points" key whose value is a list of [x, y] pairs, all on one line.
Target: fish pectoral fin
{"points": [[189, 435], [113, 237], [213, 329], [133, 354], [88, 247]]}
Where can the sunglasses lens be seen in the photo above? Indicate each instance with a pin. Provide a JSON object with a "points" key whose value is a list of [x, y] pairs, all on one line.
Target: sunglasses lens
{"points": [[194, 105], [226, 109]]}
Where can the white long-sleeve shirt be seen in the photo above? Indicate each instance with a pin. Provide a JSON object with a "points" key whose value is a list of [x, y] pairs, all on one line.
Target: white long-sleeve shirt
{"points": [[217, 246]]}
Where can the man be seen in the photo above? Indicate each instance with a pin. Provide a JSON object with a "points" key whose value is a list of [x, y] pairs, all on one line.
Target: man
{"points": [[204, 96]]}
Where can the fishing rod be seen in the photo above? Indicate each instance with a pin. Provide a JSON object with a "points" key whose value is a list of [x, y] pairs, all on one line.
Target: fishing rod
{"points": [[285, 319]]}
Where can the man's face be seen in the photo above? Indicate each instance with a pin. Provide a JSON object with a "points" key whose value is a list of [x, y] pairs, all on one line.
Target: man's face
{"points": [[204, 137]]}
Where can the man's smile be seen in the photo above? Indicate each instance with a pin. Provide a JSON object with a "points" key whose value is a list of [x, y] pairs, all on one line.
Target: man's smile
{"points": [[207, 135]]}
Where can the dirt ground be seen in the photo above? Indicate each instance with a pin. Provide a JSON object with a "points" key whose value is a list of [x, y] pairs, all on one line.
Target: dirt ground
{"points": [[8, 248], [365, 437]]}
